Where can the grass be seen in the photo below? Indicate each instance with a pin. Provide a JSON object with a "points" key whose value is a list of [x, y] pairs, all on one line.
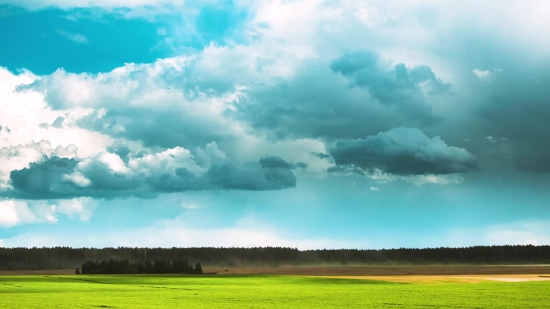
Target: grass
{"points": [[226, 291]]}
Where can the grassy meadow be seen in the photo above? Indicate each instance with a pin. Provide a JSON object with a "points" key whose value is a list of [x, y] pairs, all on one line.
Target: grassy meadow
{"points": [[240, 291]]}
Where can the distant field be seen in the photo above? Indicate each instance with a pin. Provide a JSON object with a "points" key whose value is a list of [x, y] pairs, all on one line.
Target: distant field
{"points": [[378, 270], [375, 270], [269, 291]]}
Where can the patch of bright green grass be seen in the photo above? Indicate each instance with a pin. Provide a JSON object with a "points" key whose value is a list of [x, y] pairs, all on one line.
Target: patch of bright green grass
{"points": [[261, 292]]}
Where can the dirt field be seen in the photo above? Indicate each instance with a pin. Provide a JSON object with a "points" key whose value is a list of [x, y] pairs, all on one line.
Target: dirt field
{"points": [[449, 278], [388, 270]]}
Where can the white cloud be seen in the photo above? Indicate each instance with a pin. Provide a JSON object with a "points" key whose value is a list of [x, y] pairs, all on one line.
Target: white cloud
{"points": [[30, 119], [492, 139], [166, 161], [77, 178], [75, 37], [487, 75], [484, 75], [374, 189], [18, 212], [81, 207], [418, 180], [45, 212], [9, 212], [434, 179], [147, 87]]}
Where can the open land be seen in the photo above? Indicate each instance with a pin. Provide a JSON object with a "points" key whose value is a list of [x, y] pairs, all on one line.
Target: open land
{"points": [[286, 287]]}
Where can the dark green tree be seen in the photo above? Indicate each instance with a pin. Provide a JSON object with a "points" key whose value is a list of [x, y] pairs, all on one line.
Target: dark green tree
{"points": [[198, 268]]}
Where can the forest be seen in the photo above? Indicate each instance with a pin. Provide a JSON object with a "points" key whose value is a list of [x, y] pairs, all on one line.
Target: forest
{"points": [[116, 266], [66, 257]]}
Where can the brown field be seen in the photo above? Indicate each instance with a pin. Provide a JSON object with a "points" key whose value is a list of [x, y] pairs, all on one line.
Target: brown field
{"points": [[387, 270], [449, 278], [425, 274]]}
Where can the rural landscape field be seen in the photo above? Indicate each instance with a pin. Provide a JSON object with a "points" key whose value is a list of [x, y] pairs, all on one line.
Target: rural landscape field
{"points": [[240, 290], [275, 154]]}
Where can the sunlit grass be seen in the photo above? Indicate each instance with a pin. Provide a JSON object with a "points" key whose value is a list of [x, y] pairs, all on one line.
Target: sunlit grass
{"points": [[227, 291]]}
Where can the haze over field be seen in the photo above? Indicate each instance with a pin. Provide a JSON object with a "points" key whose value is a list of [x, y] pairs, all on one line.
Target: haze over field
{"points": [[308, 124]]}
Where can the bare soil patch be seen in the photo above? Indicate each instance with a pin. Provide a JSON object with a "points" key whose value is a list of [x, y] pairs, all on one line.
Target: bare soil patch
{"points": [[449, 278]]}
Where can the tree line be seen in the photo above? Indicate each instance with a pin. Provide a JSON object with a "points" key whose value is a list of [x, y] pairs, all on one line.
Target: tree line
{"points": [[66, 257], [124, 266]]}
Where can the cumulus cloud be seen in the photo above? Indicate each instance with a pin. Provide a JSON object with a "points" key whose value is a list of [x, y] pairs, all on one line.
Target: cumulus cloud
{"points": [[403, 152], [10, 213], [374, 188], [17, 157], [81, 207], [106, 175], [177, 108], [35, 129], [389, 84], [318, 103], [14, 212]]}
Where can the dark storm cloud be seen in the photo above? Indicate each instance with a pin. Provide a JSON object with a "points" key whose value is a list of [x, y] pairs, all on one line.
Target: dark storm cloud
{"points": [[276, 162], [54, 178], [319, 103], [254, 177], [226, 176], [404, 152], [37, 180], [158, 127], [516, 105], [396, 85], [321, 155], [48, 180], [512, 104]]}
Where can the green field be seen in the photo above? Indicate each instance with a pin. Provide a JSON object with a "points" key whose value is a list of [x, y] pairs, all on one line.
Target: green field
{"points": [[261, 292]]}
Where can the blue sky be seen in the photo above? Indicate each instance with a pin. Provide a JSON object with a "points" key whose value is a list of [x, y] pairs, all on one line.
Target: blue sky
{"points": [[310, 124]]}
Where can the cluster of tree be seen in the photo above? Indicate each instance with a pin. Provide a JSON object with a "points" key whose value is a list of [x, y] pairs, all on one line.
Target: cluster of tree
{"points": [[116, 266], [63, 257]]}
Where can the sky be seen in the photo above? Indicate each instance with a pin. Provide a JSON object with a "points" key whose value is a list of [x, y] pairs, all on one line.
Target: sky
{"points": [[299, 123]]}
